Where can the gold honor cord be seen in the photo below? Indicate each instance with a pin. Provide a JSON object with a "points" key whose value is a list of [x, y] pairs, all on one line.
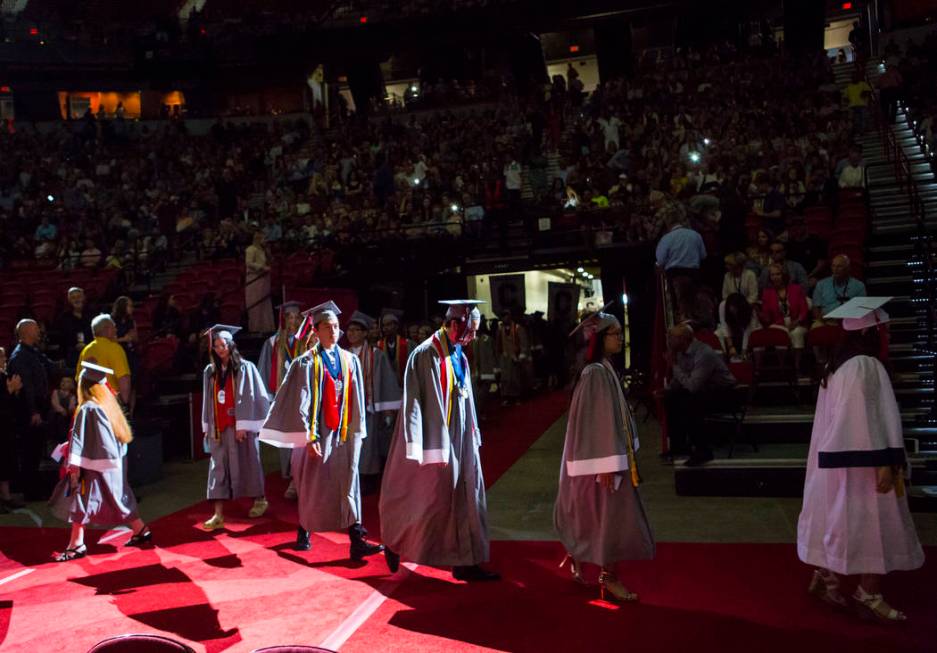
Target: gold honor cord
{"points": [[318, 375], [442, 346]]}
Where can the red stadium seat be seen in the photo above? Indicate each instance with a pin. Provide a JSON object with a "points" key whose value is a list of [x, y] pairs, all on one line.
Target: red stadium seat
{"points": [[159, 353], [709, 338]]}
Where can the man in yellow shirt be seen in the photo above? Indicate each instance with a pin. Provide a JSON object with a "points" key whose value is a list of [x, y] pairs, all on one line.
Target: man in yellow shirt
{"points": [[858, 93], [105, 351]]}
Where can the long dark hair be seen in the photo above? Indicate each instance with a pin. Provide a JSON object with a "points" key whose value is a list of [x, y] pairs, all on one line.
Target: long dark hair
{"points": [[234, 362], [738, 315], [866, 342], [590, 355]]}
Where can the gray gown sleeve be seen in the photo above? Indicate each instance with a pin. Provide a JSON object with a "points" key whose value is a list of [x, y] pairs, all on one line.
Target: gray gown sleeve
{"points": [[253, 401], [595, 434], [208, 414], [387, 392], [287, 423], [357, 412], [263, 364]]}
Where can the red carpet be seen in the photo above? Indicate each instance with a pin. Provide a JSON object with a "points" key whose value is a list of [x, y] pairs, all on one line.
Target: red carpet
{"points": [[244, 588]]}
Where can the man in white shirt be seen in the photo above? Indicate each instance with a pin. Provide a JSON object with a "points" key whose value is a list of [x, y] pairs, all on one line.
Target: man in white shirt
{"points": [[512, 181], [853, 175], [610, 125]]}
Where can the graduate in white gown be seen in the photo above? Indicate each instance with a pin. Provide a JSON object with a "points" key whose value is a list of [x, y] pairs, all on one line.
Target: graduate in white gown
{"points": [[599, 514], [855, 518], [319, 413], [432, 504]]}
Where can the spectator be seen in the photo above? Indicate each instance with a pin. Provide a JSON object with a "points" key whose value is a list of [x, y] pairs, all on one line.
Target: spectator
{"points": [[784, 306], [73, 328], [34, 369], [889, 92], [105, 351], [857, 94], [46, 232], [834, 291], [737, 320], [90, 255], [257, 290], [512, 181], [64, 402], [680, 253], [758, 254], [122, 314], [853, 173], [794, 270], [701, 384], [739, 279], [10, 386]]}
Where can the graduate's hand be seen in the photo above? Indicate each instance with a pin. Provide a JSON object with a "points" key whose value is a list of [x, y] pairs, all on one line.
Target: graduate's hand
{"points": [[314, 449], [73, 473], [884, 480], [607, 481], [14, 384], [240, 436]]}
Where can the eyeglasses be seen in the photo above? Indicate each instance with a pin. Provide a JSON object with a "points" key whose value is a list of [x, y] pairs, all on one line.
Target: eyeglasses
{"points": [[615, 334]]}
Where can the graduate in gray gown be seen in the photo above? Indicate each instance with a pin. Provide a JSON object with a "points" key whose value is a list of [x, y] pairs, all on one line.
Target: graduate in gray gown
{"points": [[381, 390], [276, 355], [598, 513], [319, 412], [94, 490], [234, 404], [432, 503], [396, 349]]}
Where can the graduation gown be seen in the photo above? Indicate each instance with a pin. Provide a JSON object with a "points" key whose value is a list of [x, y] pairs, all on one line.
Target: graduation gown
{"points": [[513, 353], [274, 361], [235, 469], [431, 513], [328, 487], [845, 525], [103, 496], [381, 393], [594, 524]]}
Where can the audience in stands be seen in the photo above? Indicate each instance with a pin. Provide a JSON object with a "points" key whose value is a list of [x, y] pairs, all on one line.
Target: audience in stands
{"points": [[701, 384], [834, 291], [795, 271], [784, 306], [739, 279], [737, 320]]}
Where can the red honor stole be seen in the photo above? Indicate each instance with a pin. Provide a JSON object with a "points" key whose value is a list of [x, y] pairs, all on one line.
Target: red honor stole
{"points": [[223, 418], [334, 406], [289, 354]]}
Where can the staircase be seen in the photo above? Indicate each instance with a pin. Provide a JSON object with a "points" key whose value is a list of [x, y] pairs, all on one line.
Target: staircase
{"points": [[890, 258]]}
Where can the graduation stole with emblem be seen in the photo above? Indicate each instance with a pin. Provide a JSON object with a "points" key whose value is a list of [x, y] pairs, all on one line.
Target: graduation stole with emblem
{"points": [[401, 362], [216, 434], [322, 384], [289, 353], [447, 376]]}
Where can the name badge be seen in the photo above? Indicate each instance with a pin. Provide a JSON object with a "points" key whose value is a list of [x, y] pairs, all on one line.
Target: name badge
{"points": [[339, 386], [221, 396]]}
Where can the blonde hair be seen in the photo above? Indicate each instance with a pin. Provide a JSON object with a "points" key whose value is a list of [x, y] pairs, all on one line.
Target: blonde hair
{"points": [[100, 394]]}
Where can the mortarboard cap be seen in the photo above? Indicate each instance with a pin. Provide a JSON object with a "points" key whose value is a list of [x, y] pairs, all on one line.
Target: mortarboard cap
{"points": [[860, 312], [224, 331], [289, 307], [364, 320], [323, 311], [393, 313], [595, 323], [94, 373], [461, 307]]}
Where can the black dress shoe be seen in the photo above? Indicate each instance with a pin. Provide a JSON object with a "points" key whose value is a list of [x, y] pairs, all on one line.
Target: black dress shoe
{"points": [[302, 540], [362, 549], [474, 573], [392, 560]]}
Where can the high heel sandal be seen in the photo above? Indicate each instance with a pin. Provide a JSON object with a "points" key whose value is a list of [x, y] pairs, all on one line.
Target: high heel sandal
{"points": [[873, 606], [72, 553], [825, 586], [574, 569], [145, 536], [611, 589]]}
